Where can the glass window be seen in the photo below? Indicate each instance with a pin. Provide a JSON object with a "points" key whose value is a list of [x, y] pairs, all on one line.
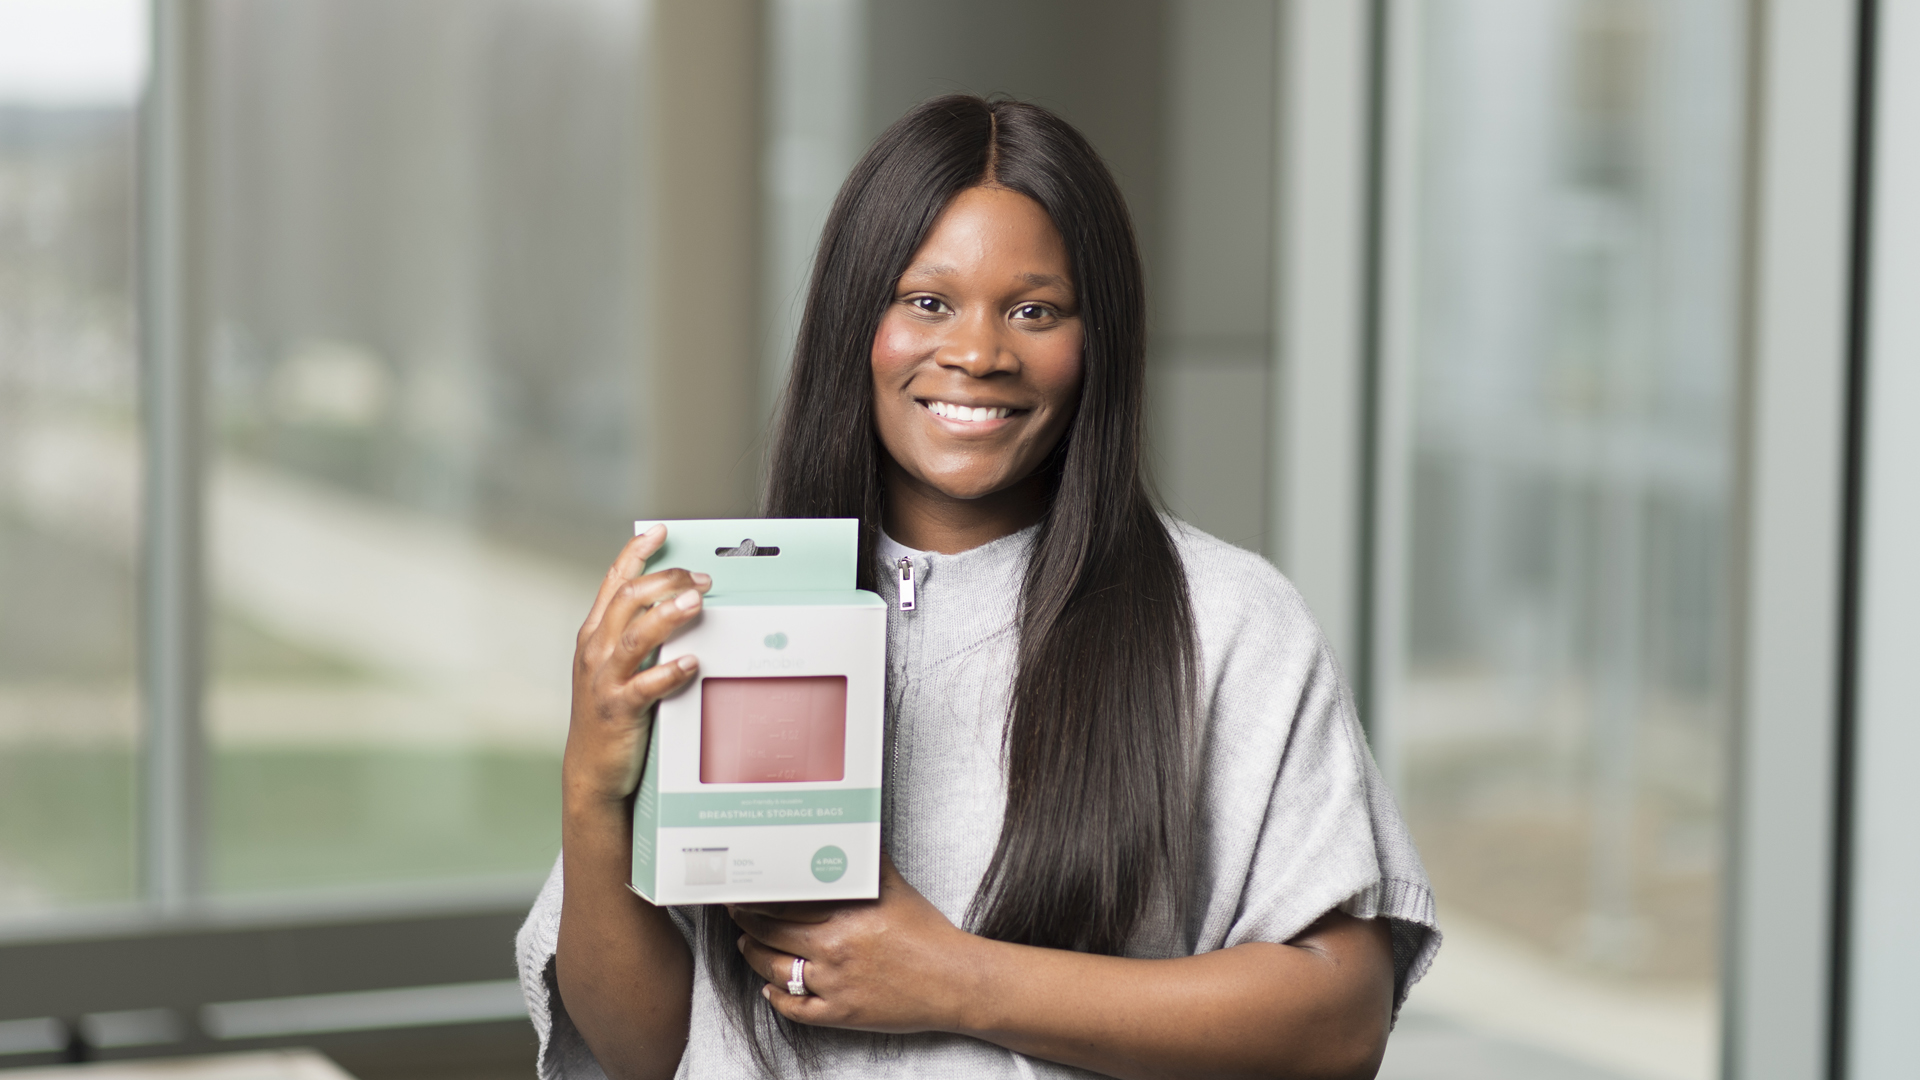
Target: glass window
{"points": [[1556, 695], [69, 453], [421, 349], [427, 242]]}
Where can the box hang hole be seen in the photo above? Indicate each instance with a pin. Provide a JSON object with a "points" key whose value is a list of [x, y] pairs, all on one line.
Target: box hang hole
{"points": [[747, 549]]}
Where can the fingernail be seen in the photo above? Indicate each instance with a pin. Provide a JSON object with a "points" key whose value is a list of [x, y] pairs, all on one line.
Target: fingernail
{"points": [[687, 663], [767, 992], [655, 532], [688, 600], [702, 580]]}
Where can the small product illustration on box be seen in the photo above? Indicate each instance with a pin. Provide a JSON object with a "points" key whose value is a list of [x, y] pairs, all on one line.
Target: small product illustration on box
{"points": [[762, 777]]}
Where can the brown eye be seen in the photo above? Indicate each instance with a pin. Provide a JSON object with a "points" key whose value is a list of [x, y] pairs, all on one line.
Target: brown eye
{"points": [[930, 305], [1031, 311]]}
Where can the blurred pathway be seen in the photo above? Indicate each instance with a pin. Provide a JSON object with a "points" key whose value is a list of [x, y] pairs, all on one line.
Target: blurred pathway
{"points": [[1494, 1009]]}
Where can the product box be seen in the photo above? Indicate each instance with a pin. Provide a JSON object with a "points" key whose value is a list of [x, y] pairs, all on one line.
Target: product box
{"points": [[762, 778]]}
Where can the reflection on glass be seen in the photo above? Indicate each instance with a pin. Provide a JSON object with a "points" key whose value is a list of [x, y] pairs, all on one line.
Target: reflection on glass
{"points": [[419, 344], [69, 454], [1560, 712]]}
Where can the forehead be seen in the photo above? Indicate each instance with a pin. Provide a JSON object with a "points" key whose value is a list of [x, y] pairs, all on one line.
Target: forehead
{"points": [[997, 232]]}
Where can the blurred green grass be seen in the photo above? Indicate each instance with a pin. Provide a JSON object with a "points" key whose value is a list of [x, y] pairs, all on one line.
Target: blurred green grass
{"points": [[280, 820], [66, 826], [285, 819]]}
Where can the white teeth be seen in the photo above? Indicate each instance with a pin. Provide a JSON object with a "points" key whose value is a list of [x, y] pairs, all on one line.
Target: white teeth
{"points": [[965, 412]]}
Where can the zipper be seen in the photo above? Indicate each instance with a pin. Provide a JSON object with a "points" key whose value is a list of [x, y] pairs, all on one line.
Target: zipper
{"points": [[898, 693]]}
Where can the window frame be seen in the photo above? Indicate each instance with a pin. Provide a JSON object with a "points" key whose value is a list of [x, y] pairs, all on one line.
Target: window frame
{"points": [[1780, 961], [1785, 875], [1343, 106]]}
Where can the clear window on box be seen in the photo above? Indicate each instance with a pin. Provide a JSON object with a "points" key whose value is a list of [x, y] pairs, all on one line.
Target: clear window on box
{"points": [[783, 730]]}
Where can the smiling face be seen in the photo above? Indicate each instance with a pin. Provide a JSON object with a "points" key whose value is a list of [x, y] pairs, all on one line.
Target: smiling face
{"points": [[976, 367]]}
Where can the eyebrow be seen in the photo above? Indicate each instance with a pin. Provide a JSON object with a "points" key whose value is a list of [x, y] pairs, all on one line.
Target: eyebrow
{"points": [[1038, 281], [1042, 280]]}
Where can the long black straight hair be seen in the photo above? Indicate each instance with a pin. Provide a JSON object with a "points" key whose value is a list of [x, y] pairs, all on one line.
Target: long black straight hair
{"points": [[1098, 826]]}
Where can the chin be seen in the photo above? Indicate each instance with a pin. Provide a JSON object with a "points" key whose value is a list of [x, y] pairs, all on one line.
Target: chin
{"points": [[965, 476], [967, 491]]}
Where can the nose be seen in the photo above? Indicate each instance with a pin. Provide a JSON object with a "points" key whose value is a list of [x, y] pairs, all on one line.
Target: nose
{"points": [[977, 346]]}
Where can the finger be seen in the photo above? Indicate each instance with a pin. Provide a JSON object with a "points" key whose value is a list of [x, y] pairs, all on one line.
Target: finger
{"points": [[809, 1009], [626, 566], [628, 602], [788, 937], [767, 962], [655, 683], [777, 968], [797, 911], [790, 911], [644, 631]]}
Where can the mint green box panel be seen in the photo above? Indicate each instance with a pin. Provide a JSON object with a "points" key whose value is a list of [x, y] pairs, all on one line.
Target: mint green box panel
{"points": [[816, 554]]}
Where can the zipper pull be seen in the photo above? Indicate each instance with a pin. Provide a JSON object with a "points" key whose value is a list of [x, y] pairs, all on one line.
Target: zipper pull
{"points": [[906, 583]]}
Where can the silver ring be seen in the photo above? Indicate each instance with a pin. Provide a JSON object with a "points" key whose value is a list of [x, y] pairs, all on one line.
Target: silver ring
{"points": [[797, 983]]}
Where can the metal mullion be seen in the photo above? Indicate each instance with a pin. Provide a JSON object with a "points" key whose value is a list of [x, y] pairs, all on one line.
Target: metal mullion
{"points": [[172, 622], [1779, 954], [1394, 306], [1873, 1002], [1320, 330]]}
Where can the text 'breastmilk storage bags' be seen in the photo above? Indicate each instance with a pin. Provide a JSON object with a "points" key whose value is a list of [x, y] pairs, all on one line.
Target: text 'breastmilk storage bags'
{"points": [[762, 778]]}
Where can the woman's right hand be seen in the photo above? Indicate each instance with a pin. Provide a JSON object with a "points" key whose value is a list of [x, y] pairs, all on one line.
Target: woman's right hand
{"points": [[631, 617], [624, 972]]}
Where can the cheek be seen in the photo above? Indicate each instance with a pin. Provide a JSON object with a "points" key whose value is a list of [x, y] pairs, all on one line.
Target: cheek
{"points": [[1058, 371], [893, 363], [896, 345]]}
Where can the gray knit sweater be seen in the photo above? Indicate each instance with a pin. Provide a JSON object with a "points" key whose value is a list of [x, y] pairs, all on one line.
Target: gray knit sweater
{"points": [[1294, 818]]}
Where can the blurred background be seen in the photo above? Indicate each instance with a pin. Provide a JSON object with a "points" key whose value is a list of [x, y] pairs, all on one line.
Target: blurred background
{"points": [[341, 341]]}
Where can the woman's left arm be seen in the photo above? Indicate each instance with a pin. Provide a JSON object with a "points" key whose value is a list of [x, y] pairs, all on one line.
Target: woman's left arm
{"points": [[1318, 1006]]}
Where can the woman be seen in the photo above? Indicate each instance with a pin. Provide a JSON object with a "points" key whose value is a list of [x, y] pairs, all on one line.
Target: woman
{"points": [[1133, 825]]}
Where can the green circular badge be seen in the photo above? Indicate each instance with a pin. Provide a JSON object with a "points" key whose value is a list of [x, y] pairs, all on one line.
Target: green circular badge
{"points": [[829, 863]]}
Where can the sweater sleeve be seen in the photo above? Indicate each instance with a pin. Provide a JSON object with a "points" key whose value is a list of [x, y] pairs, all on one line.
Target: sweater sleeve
{"points": [[563, 1052], [1296, 819]]}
